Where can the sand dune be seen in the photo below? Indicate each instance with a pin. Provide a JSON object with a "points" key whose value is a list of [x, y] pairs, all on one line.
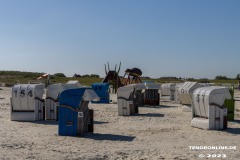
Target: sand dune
{"points": [[161, 132]]}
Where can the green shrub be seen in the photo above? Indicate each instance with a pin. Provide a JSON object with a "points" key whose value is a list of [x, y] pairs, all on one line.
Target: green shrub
{"points": [[59, 75]]}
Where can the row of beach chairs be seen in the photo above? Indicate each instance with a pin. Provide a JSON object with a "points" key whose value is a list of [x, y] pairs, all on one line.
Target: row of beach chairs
{"points": [[206, 102]]}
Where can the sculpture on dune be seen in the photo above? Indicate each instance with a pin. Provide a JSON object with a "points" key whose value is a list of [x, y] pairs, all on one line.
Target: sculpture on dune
{"points": [[112, 77], [133, 76]]}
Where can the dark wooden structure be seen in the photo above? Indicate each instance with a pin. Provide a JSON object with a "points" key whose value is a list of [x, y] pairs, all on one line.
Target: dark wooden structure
{"points": [[133, 76], [112, 77]]}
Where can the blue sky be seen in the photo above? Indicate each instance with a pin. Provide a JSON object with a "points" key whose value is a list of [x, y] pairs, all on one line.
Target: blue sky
{"points": [[186, 38]]}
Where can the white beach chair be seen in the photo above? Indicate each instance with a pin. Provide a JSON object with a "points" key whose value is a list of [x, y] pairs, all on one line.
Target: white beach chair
{"points": [[208, 110]]}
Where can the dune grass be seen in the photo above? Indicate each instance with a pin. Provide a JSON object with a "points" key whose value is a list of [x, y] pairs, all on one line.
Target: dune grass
{"points": [[9, 78]]}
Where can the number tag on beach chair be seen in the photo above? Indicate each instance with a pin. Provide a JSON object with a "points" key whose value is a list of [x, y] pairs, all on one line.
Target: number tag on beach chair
{"points": [[80, 114]]}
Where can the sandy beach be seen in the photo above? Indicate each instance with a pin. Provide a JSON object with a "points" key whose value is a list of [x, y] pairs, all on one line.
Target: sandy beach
{"points": [[157, 132]]}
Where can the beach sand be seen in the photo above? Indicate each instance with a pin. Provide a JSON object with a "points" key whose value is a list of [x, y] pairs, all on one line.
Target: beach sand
{"points": [[161, 132]]}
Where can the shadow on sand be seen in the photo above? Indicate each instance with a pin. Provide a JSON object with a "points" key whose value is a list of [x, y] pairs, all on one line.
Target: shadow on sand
{"points": [[160, 106], [48, 122], [99, 122], [52, 122], [109, 137], [232, 130], [235, 121], [150, 115]]}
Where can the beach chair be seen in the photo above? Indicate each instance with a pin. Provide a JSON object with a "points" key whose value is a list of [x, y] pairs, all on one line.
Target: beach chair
{"points": [[176, 96], [127, 99], [185, 93], [27, 103], [102, 90], [75, 118], [52, 98], [167, 89], [208, 110], [151, 94]]}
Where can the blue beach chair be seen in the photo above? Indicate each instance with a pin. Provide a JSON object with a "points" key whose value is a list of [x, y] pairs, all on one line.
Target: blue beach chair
{"points": [[75, 118]]}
